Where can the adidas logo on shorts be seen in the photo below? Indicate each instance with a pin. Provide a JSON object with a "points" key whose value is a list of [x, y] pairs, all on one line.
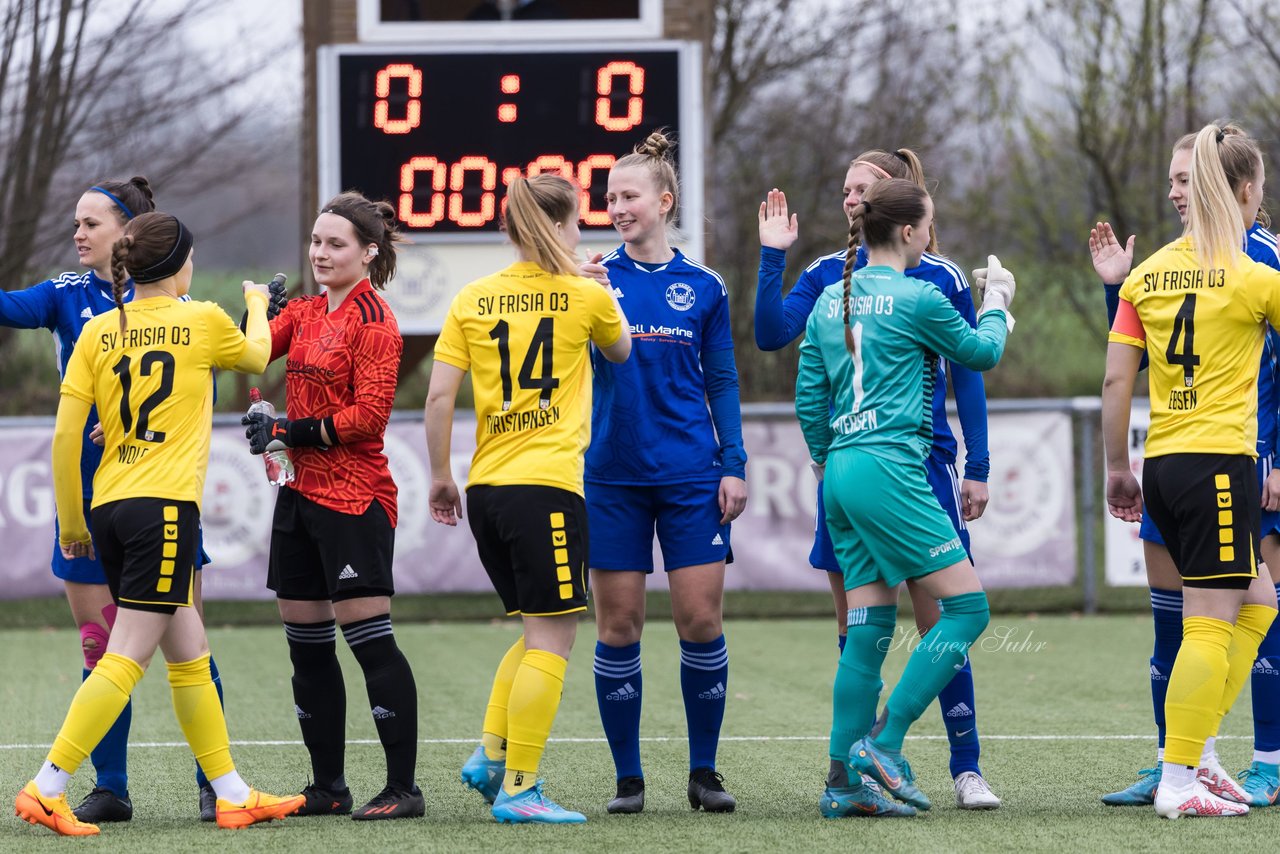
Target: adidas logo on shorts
{"points": [[716, 692], [959, 710], [1264, 667], [626, 692], [300, 713], [717, 541], [381, 714], [1160, 677], [347, 573]]}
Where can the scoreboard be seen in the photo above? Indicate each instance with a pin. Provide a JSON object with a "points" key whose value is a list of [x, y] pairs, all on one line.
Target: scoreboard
{"points": [[440, 132]]}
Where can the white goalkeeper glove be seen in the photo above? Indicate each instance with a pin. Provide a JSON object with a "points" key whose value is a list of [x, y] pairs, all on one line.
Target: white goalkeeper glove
{"points": [[997, 287]]}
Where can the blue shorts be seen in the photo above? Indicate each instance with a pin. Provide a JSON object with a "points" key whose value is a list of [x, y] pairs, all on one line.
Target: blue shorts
{"points": [[622, 520], [946, 488], [83, 570], [1148, 532]]}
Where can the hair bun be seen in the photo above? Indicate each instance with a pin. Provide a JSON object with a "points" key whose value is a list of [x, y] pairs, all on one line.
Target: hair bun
{"points": [[144, 187], [656, 145]]}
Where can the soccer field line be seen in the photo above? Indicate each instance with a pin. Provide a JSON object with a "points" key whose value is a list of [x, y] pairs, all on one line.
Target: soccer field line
{"points": [[655, 738]]}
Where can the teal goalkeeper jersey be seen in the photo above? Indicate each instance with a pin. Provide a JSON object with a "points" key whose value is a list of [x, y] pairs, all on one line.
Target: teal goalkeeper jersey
{"points": [[879, 398]]}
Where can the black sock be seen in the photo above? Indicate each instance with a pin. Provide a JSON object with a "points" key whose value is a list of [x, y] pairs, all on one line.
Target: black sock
{"points": [[393, 696], [319, 698]]}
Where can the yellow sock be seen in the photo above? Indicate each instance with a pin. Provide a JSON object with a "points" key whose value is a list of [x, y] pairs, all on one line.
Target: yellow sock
{"points": [[1251, 627], [494, 738], [535, 697], [1195, 688], [95, 707], [195, 702]]}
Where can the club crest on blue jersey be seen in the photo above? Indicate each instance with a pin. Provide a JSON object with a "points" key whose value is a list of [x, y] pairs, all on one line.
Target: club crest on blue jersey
{"points": [[681, 296]]}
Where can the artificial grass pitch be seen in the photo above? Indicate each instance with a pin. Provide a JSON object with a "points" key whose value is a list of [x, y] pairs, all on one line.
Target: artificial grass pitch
{"points": [[1063, 705]]}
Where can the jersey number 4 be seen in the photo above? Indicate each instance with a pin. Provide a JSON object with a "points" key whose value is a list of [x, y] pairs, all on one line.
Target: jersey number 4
{"points": [[543, 344], [1184, 326], [146, 365]]}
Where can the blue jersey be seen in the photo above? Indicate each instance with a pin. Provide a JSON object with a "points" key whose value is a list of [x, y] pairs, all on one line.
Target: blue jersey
{"points": [[779, 321], [650, 421], [1260, 245], [63, 306]]}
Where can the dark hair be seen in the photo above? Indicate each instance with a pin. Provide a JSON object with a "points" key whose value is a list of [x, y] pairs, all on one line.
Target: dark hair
{"points": [[534, 207], [147, 239], [373, 222], [654, 154], [135, 194], [887, 205], [902, 163]]}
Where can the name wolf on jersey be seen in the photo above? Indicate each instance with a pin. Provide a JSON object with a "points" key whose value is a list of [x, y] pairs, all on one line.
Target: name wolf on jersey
{"points": [[147, 336], [1182, 280], [655, 329], [130, 454], [855, 422], [531, 419], [518, 303], [1182, 399]]}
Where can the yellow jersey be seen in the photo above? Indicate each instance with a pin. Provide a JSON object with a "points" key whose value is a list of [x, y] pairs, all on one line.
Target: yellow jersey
{"points": [[1203, 332], [523, 334], [154, 391]]}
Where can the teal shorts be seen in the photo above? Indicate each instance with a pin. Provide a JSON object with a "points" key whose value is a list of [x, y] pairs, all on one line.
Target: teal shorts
{"points": [[884, 520]]}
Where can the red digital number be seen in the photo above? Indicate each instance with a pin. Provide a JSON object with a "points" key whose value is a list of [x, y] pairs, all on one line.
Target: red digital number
{"points": [[551, 163], [586, 169], [604, 88], [408, 180], [413, 109], [488, 182]]}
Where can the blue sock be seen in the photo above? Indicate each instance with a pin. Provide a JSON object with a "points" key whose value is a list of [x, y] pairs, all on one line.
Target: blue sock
{"points": [[201, 779], [110, 757], [704, 678], [618, 688], [1166, 610], [959, 718], [840, 639], [1265, 685]]}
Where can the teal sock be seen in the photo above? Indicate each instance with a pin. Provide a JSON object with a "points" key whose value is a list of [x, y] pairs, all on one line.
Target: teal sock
{"points": [[933, 664], [857, 688]]}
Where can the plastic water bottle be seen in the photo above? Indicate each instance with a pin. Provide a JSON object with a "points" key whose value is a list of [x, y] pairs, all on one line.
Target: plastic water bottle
{"points": [[279, 465]]}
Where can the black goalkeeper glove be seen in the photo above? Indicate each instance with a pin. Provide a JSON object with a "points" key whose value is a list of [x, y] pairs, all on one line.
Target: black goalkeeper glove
{"points": [[273, 434], [279, 295]]}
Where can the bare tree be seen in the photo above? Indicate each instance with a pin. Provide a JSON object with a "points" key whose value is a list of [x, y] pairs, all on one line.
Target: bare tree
{"points": [[797, 89], [91, 87]]}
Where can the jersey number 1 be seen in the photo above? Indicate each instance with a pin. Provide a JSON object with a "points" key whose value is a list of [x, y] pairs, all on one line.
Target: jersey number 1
{"points": [[1184, 324], [543, 343], [145, 365]]}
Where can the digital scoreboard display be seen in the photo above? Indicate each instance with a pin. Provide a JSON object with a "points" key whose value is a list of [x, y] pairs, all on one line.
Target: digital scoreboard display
{"points": [[440, 134]]}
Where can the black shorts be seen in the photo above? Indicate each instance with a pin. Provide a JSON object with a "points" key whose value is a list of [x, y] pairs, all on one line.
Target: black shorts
{"points": [[149, 548], [533, 543], [1207, 509], [318, 553]]}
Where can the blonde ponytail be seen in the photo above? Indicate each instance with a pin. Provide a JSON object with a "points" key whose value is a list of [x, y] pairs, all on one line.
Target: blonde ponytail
{"points": [[1223, 160], [534, 207]]}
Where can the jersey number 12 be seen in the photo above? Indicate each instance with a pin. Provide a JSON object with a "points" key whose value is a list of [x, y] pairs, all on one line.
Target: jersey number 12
{"points": [[145, 366]]}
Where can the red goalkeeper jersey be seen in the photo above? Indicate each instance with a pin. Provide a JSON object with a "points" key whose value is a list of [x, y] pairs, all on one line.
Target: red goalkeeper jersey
{"points": [[342, 368]]}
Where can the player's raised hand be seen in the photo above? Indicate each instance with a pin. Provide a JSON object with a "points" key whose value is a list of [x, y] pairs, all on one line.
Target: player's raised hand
{"points": [[1124, 496], [777, 229], [445, 502], [1111, 261], [593, 269], [254, 286]]}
